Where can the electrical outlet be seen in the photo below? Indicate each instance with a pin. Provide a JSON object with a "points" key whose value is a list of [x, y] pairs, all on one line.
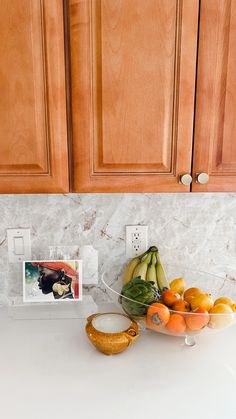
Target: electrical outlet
{"points": [[136, 240]]}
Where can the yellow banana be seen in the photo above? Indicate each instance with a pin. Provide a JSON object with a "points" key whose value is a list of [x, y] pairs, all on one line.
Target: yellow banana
{"points": [[141, 268], [151, 271], [161, 275], [129, 270]]}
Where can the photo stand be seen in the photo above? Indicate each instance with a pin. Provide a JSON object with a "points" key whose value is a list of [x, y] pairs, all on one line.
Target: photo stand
{"points": [[19, 310]]}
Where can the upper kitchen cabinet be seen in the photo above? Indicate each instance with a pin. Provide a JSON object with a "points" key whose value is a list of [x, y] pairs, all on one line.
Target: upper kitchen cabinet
{"points": [[33, 133], [132, 93], [215, 125]]}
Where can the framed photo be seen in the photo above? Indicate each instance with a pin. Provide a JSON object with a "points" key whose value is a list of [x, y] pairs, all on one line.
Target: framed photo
{"points": [[52, 280]]}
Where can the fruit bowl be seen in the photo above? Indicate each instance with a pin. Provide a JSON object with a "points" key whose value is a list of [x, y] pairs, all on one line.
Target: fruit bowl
{"points": [[180, 323]]}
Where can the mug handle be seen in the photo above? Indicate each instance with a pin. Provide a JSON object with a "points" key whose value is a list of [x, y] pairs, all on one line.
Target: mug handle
{"points": [[131, 334], [90, 318]]}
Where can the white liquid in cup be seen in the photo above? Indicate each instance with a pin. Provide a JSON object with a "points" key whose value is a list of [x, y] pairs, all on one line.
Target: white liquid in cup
{"points": [[111, 323]]}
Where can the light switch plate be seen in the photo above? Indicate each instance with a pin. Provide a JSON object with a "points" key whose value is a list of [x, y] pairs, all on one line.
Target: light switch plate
{"points": [[136, 240], [19, 245]]}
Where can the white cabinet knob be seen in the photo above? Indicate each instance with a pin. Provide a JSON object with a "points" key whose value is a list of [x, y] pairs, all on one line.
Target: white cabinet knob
{"points": [[202, 178], [186, 179]]}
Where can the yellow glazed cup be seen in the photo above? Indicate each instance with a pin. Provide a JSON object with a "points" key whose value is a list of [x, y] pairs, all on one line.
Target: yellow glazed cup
{"points": [[111, 333]]}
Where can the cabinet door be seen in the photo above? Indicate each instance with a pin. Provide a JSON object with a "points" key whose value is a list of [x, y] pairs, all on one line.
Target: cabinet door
{"points": [[33, 137], [215, 126], [132, 84]]}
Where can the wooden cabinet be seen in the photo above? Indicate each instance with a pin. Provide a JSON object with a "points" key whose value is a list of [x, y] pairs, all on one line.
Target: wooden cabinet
{"points": [[151, 95], [215, 123], [132, 85], [33, 132]]}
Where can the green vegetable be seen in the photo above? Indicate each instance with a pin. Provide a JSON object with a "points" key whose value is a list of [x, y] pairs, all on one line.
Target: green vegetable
{"points": [[137, 295]]}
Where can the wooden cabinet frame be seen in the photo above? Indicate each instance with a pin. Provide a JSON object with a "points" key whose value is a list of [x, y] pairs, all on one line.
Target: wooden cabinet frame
{"points": [[57, 137]]}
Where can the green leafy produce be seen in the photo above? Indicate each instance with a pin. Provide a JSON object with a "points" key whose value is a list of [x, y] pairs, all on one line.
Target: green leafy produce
{"points": [[137, 295]]}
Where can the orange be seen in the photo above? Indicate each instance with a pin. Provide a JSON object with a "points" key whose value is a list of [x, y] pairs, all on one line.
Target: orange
{"points": [[234, 307], [189, 298], [203, 301], [178, 285], [225, 300], [190, 293], [197, 321], [221, 316], [181, 305], [176, 324], [157, 316], [169, 297]]}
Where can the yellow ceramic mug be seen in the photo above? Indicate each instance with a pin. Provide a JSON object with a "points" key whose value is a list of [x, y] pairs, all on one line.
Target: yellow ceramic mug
{"points": [[111, 333]]}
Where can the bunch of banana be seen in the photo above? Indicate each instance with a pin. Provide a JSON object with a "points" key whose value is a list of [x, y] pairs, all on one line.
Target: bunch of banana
{"points": [[148, 267]]}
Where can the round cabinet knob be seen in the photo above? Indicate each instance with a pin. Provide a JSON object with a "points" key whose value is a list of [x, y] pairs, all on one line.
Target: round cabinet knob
{"points": [[202, 178], [186, 179]]}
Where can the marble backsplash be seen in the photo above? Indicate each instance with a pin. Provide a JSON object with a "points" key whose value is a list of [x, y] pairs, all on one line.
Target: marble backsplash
{"points": [[196, 230]]}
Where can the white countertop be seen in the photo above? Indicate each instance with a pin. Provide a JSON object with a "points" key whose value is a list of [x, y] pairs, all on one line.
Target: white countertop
{"points": [[48, 369]]}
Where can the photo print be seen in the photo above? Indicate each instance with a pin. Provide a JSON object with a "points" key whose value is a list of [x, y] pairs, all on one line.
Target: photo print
{"points": [[53, 280]]}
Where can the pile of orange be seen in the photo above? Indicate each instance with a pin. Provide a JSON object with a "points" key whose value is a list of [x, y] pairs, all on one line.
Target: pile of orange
{"points": [[180, 311]]}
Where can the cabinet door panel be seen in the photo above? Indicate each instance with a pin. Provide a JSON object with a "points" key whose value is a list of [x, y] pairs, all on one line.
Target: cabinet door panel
{"points": [[33, 145], [215, 127], [133, 68], [133, 63]]}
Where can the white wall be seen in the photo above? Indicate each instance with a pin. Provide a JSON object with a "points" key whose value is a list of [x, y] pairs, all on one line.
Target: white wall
{"points": [[196, 230]]}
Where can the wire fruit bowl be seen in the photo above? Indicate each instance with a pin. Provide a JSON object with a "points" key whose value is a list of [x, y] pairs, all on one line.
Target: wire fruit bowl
{"points": [[178, 323]]}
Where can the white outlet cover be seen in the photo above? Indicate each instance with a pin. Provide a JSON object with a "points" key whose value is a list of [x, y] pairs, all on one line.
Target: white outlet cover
{"points": [[136, 240]]}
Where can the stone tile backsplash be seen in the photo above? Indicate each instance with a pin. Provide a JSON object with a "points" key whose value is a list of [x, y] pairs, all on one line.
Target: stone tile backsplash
{"points": [[195, 230]]}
